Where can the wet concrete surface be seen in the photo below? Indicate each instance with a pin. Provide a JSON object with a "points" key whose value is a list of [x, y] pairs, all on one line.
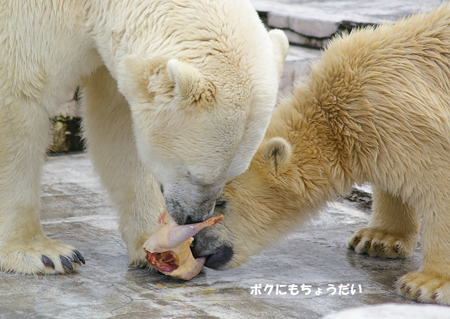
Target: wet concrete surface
{"points": [[76, 210]]}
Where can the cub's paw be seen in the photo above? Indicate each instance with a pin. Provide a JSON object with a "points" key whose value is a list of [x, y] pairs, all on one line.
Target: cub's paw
{"points": [[376, 243], [44, 256], [423, 287]]}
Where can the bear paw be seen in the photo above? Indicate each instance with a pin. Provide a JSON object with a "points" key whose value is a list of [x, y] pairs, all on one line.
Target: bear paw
{"points": [[376, 243], [46, 256], [424, 287]]}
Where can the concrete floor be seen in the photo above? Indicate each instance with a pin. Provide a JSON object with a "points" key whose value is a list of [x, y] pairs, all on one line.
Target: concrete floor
{"points": [[76, 210]]}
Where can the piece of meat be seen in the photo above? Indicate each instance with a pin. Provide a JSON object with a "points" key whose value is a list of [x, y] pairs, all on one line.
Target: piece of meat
{"points": [[168, 249]]}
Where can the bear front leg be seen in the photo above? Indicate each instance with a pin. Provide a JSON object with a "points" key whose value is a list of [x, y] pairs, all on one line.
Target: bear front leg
{"points": [[431, 283], [24, 248], [108, 128], [392, 231]]}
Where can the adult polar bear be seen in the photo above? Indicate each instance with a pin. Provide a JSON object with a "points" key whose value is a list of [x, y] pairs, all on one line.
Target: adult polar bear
{"points": [[182, 89]]}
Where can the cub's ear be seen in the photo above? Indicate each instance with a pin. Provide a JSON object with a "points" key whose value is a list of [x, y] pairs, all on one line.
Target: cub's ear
{"points": [[280, 46], [188, 82], [277, 153]]}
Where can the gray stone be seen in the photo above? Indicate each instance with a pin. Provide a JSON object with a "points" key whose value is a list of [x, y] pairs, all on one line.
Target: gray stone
{"points": [[321, 19], [280, 21], [298, 39], [314, 27]]}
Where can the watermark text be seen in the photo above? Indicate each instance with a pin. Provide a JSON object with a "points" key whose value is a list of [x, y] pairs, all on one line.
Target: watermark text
{"points": [[305, 290]]}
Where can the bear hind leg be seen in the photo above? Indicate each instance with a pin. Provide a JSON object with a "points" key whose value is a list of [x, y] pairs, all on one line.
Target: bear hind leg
{"points": [[24, 248], [392, 231]]}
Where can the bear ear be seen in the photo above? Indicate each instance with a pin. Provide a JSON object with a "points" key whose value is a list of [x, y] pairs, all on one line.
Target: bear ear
{"points": [[277, 153], [187, 80], [142, 78], [280, 46]]}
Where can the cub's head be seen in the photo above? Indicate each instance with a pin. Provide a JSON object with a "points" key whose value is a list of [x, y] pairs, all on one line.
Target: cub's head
{"points": [[279, 191], [198, 120]]}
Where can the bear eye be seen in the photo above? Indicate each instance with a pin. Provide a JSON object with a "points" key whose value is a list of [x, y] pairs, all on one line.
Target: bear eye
{"points": [[220, 203]]}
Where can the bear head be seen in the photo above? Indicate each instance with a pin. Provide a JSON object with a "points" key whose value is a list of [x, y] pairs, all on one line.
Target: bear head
{"points": [[249, 203], [198, 121], [281, 189]]}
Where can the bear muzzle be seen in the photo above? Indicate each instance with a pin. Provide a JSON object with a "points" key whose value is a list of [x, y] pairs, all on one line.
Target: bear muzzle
{"points": [[218, 253], [220, 259], [187, 215]]}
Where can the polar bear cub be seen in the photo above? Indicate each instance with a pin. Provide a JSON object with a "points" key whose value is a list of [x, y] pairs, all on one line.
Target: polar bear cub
{"points": [[177, 96], [376, 109]]}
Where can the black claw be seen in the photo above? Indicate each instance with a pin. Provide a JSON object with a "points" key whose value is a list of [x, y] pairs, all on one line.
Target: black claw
{"points": [[47, 261], [355, 242], [396, 249], [434, 296], [418, 293], [66, 262], [382, 246], [75, 259], [80, 257]]}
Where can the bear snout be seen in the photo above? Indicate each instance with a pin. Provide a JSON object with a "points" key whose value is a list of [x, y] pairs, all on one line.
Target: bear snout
{"points": [[218, 253], [220, 259], [192, 214]]}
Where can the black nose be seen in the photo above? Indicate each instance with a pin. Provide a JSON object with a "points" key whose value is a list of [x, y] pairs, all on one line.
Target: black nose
{"points": [[220, 258], [191, 220]]}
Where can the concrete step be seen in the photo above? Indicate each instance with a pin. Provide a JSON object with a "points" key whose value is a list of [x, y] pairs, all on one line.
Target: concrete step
{"points": [[314, 22]]}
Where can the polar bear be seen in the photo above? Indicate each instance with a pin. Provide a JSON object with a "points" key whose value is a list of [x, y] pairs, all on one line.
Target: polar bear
{"points": [[178, 95], [375, 109]]}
